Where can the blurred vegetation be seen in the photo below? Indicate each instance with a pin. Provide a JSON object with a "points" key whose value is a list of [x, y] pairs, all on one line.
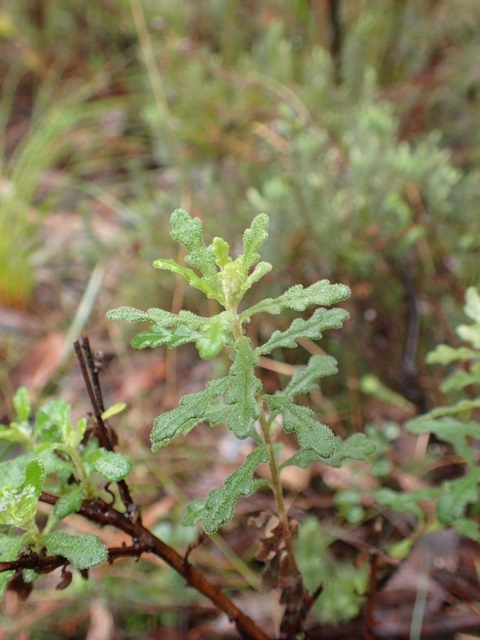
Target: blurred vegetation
{"points": [[352, 123]]}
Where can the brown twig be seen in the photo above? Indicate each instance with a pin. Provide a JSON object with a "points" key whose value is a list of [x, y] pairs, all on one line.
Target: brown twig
{"points": [[144, 541], [95, 395]]}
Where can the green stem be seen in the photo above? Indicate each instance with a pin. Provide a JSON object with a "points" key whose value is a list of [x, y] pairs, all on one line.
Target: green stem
{"points": [[278, 493]]}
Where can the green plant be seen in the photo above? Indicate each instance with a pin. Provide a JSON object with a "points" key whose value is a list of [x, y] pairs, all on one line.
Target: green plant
{"points": [[436, 502], [74, 463]]}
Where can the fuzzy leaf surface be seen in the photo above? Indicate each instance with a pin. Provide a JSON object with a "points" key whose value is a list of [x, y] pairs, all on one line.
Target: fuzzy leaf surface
{"points": [[355, 447], [190, 276], [305, 380], [188, 231], [220, 504], [170, 337], [253, 238], [310, 433], [213, 337], [321, 293], [242, 409], [82, 551], [112, 466], [185, 417], [128, 314], [312, 328]]}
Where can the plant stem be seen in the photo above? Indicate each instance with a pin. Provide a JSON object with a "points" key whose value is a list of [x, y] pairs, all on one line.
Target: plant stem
{"points": [[278, 493]]}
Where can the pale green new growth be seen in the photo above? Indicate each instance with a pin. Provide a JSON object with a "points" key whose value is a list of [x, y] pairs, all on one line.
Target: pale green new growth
{"points": [[188, 231], [235, 400]]}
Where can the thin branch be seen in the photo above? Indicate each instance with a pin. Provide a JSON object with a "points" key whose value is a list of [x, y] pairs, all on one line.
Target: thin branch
{"points": [[96, 510], [104, 438]]}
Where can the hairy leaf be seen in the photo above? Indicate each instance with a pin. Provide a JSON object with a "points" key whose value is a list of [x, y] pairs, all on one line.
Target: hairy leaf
{"points": [[195, 512], [220, 504], [261, 269], [184, 418], [190, 276], [253, 238], [188, 231], [128, 314], [112, 466], [310, 433], [82, 551], [312, 328], [304, 380], [170, 337], [355, 447], [320, 293], [242, 408], [53, 422], [215, 334]]}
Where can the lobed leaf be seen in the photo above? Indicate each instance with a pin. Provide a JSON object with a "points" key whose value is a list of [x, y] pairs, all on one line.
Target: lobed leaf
{"points": [[312, 328], [355, 447], [242, 407], [190, 276], [195, 512], [220, 504], [215, 334], [188, 231], [443, 354], [261, 269], [253, 238], [304, 380], [170, 337], [320, 293], [128, 314], [184, 418], [82, 551], [310, 433]]}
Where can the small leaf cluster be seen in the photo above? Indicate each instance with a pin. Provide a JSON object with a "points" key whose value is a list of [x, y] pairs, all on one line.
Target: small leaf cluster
{"points": [[56, 456], [236, 400]]}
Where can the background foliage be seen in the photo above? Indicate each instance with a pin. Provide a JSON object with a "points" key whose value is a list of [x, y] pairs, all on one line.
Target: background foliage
{"points": [[356, 132]]}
